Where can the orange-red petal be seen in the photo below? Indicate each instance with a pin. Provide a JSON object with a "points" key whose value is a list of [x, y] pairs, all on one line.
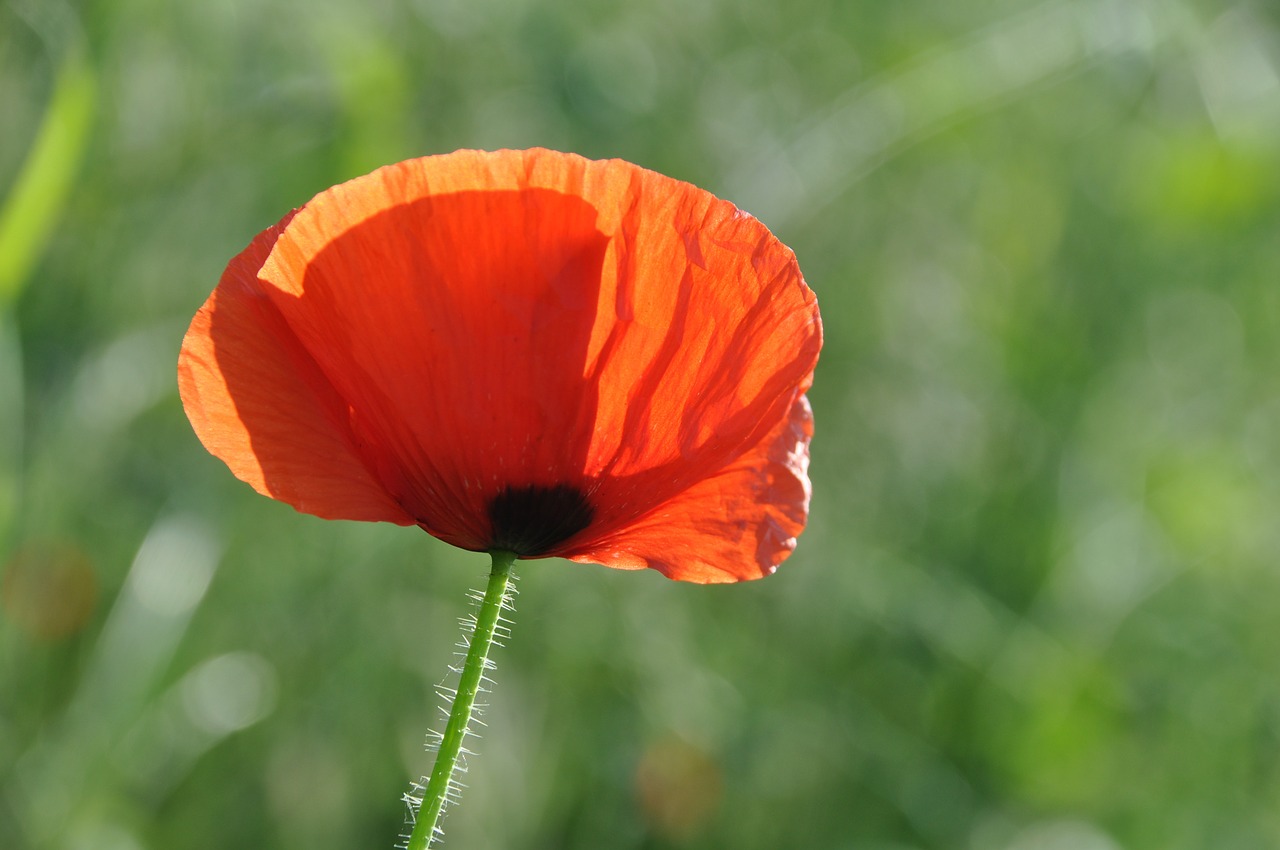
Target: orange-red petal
{"points": [[257, 401], [735, 525], [479, 331]]}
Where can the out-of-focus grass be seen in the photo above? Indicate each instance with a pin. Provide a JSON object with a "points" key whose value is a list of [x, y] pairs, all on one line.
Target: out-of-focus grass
{"points": [[1036, 604], [35, 200]]}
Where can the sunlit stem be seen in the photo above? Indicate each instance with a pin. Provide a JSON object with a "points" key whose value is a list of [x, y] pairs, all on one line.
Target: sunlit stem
{"points": [[425, 826]]}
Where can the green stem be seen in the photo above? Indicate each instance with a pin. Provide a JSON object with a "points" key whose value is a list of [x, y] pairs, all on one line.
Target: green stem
{"points": [[433, 799]]}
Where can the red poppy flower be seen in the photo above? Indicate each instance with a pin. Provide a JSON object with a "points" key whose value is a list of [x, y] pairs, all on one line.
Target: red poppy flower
{"points": [[521, 350]]}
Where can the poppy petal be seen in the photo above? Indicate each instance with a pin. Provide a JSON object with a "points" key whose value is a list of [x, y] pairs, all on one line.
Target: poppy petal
{"points": [[258, 402], [525, 350], [450, 301], [738, 524], [718, 332]]}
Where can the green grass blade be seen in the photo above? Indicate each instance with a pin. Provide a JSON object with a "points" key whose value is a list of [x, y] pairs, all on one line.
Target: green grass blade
{"points": [[43, 185]]}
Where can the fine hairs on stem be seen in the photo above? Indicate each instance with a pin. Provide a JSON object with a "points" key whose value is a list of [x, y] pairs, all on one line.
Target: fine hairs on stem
{"points": [[428, 797]]}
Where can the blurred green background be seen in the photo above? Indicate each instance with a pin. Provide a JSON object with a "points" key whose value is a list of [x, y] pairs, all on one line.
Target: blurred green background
{"points": [[1038, 604]]}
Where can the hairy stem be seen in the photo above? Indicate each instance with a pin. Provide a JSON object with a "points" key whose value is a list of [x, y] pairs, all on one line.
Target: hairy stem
{"points": [[426, 825]]}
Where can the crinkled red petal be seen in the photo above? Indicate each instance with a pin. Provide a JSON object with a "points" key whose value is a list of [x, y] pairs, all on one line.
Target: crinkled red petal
{"points": [[257, 401], [484, 328], [737, 524]]}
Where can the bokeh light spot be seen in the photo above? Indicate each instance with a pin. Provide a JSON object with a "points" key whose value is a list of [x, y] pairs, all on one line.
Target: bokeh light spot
{"points": [[679, 787], [49, 591], [230, 692], [174, 567]]}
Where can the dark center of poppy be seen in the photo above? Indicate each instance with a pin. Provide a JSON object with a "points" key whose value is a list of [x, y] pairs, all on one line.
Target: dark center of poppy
{"points": [[534, 519]]}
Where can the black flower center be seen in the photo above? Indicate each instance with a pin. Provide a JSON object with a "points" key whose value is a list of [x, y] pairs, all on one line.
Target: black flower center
{"points": [[533, 520]]}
